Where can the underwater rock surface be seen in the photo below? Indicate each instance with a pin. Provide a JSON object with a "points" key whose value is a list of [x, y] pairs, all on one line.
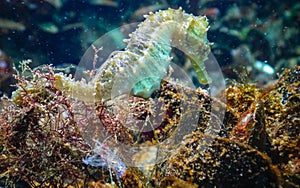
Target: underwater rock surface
{"points": [[256, 144], [41, 143], [221, 163]]}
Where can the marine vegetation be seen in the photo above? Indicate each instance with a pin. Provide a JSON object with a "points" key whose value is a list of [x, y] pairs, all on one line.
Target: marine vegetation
{"points": [[42, 126]]}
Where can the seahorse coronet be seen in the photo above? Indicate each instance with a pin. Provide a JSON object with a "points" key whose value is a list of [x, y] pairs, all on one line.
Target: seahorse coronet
{"points": [[146, 58]]}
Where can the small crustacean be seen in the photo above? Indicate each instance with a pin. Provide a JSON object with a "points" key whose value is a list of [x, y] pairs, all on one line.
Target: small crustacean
{"points": [[146, 59], [251, 127], [104, 157]]}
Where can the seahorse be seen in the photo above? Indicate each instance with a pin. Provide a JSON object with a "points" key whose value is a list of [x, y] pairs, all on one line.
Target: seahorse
{"points": [[146, 59]]}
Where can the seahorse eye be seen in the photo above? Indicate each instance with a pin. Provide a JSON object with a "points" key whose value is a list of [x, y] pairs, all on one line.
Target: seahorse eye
{"points": [[145, 87]]}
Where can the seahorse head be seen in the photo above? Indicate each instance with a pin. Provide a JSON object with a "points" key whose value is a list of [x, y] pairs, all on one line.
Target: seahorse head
{"points": [[196, 46], [197, 29]]}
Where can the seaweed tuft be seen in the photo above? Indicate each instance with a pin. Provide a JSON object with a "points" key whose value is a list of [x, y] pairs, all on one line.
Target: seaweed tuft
{"points": [[40, 142]]}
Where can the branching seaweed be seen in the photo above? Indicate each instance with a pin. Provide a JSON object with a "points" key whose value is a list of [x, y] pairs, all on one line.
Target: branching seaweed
{"points": [[40, 141]]}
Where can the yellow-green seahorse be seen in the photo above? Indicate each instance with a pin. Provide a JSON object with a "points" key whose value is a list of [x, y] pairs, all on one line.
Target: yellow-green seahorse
{"points": [[146, 59]]}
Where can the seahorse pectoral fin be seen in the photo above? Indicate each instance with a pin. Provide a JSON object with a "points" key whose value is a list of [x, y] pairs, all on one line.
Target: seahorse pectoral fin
{"points": [[201, 72]]}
